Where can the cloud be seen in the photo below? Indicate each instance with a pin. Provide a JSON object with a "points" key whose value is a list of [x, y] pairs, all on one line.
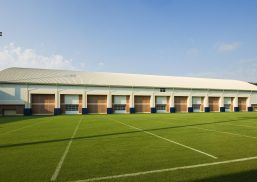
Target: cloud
{"points": [[12, 55], [227, 47]]}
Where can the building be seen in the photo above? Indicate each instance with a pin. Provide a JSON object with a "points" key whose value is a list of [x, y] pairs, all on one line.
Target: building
{"points": [[44, 91]]}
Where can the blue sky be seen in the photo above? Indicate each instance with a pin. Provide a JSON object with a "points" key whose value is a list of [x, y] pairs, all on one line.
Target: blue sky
{"points": [[200, 38]]}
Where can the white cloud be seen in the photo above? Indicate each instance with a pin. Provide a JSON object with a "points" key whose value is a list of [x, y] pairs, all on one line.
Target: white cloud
{"points": [[12, 55], [227, 47]]}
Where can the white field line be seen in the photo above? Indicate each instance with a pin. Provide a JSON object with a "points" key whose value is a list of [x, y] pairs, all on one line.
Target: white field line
{"points": [[246, 126], [236, 134], [21, 128], [167, 169], [166, 139], [59, 166]]}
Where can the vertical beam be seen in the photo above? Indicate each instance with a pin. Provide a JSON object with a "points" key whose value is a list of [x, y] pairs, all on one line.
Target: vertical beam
{"points": [[248, 104], [206, 103], [172, 104], [131, 103], [57, 108], [189, 104], [221, 103], [27, 109], [152, 103], [84, 103], [235, 104], [109, 103]]}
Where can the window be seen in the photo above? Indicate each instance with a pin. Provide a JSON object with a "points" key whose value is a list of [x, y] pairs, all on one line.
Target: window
{"points": [[71, 107], [161, 107], [227, 107], [120, 107], [162, 90], [196, 107]]}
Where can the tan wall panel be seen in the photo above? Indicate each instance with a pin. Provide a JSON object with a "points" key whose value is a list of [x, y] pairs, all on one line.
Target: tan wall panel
{"points": [[242, 103], [127, 104], [180, 103], [62, 103], [80, 104], [97, 103], [142, 104], [214, 104], [254, 107]]}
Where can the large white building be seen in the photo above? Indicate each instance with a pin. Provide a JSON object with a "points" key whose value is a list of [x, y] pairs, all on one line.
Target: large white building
{"points": [[44, 91]]}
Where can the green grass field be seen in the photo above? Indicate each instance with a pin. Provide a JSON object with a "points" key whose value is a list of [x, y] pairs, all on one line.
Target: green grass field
{"points": [[137, 147]]}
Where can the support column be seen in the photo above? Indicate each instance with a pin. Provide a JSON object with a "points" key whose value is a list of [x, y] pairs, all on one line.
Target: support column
{"points": [[172, 105], [248, 104], [131, 103], [152, 104], [84, 103], [109, 103], [57, 108], [235, 104], [27, 109], [189, 104], [206, 104], [221, 103]]}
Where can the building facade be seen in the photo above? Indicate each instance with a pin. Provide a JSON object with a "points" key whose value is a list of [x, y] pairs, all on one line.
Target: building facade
{"points": [[25, 91]]}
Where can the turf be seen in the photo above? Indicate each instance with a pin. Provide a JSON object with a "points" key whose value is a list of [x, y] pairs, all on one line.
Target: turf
{"points": [[107, 145]]}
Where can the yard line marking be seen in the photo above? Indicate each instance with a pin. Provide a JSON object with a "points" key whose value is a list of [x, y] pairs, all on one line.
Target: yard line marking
{"points": [[59, 166], [166, 139], [225, 132], [166, 169], [21, 128], [240, 125]]}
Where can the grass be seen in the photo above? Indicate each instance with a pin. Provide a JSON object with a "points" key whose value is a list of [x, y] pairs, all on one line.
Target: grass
{"points": [[107, 145]]}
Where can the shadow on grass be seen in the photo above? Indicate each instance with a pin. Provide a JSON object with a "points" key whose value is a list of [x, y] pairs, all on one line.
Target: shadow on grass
{"points": [[234, 177], [103, 135], [11, 119]]}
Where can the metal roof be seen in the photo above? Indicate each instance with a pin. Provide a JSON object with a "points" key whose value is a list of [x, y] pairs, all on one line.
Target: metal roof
{"points": [[66, 77]]}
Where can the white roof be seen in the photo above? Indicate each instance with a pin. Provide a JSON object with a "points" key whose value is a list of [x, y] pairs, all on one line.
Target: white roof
{"points": [[66, 77]]}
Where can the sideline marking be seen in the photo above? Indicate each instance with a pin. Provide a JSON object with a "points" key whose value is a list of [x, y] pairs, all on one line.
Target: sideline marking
{"points": [[59, 166], [225, 132], [166, 139], [166, 169], [246, 126]]}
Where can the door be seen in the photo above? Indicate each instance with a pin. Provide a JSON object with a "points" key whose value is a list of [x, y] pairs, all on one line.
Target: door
{"points": [[214, 104], [180, 103], [242, 103], [97, 104], [142, 104], [42, 103]]}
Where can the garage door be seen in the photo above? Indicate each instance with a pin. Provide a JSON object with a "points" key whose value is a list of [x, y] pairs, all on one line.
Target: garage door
{"points": [[162, 104], [97, 103], [214, 104], [142, 104], [242, 103], [197, 103], [42, 103], [120, 104], [180, 103]]}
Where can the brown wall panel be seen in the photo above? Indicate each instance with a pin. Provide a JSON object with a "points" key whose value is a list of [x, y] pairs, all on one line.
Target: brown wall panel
{"points": [[254, 107], [80, 104], [214, 104], [97, 103], [180, 103], [242, 103], [42, 103], [142, 104]]}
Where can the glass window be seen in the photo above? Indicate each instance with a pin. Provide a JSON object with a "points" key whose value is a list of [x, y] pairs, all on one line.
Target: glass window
{"points": [[162, 90], [227, 107], [119, 107], [71, 107], [196, 107], [161, 107]]}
